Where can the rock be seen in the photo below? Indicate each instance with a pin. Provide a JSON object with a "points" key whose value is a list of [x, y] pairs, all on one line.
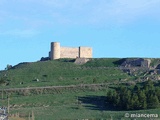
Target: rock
{"points": [[149, 62], [154, 72], [158, 66], [21, 83], [158, 77], [81, 61], [137, 62]]}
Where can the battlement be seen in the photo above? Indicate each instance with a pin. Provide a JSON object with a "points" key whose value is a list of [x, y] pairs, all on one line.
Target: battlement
{"points": [[69, 52]]}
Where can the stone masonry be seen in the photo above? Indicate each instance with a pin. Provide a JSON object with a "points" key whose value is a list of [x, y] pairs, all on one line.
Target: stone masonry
{"points": [[69, 52]]}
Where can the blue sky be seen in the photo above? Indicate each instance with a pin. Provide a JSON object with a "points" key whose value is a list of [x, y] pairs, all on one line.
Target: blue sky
{"points": [[114, 28]]}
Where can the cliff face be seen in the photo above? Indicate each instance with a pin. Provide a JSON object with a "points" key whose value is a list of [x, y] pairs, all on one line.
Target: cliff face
{"points": [[137, 62], [143, 69]]}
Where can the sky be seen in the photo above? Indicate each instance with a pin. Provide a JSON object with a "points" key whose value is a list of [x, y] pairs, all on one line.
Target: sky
{"points": [[113, 28]]}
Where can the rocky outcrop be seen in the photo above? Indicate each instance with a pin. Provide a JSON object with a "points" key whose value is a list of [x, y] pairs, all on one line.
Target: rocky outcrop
{"points": [[81, 61], [154, 72], [137, 62], [158, 67]]}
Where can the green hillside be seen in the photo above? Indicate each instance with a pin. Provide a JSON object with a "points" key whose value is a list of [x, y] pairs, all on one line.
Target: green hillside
{"points": [[63, 72], [82, 90]]}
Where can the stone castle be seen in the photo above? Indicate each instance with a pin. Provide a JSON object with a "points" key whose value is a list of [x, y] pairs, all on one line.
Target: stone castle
{"points": [[69, 52]]}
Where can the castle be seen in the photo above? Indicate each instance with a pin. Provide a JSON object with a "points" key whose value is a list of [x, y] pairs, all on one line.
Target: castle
{"points": [[69, 52]]}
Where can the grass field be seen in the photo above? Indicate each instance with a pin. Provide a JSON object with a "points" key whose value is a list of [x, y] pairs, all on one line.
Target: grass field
{"points": [[70, 105], [63, 72], [67, 104]]}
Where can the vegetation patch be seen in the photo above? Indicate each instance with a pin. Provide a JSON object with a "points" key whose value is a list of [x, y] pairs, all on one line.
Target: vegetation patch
{"points": [[145, 96]]}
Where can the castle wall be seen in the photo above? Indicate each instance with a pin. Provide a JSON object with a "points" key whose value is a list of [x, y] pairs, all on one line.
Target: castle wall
{"points": [[69, 52], [85, 52]]}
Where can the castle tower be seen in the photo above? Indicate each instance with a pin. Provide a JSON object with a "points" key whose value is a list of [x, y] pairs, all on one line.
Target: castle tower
{"points": [[55, 50]]}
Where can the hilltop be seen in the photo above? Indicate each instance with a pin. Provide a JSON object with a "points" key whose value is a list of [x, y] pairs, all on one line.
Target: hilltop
{"points": [[66, 72], [62, 72]]}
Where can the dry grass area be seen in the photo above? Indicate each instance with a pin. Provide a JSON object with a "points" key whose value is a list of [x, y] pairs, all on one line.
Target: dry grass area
{"points": [[16, 118]]}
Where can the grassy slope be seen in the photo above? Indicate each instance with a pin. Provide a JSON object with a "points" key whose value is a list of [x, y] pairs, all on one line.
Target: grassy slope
{"points": [[59, 72], [64, 105]]}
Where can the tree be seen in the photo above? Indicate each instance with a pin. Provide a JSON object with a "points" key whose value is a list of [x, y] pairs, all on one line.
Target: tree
{"points": [[124, 96], [142, 100], [135, 101], [145, 97], [109, 96], [117, 101], [157, 91], [153, 102], [8, 67], [128, 102], [149, 85], [130, 106], [136, 88]]}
